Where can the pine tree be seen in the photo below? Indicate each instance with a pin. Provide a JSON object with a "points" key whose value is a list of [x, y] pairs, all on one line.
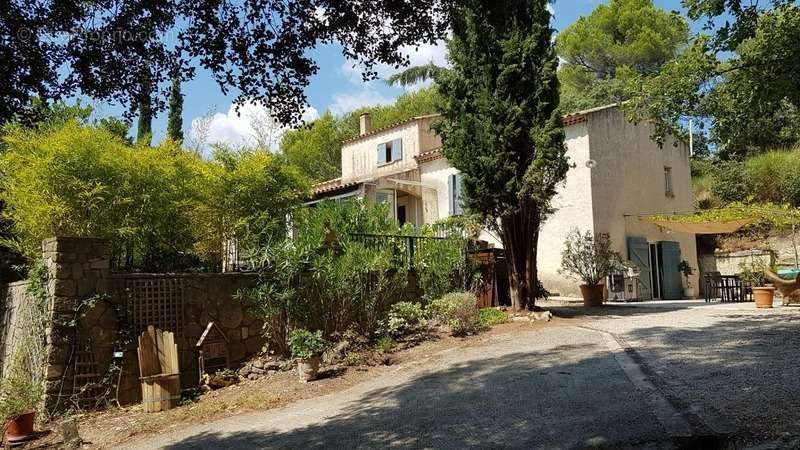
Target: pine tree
{"points": [[501, 126], [144, 129], [175, 116]]}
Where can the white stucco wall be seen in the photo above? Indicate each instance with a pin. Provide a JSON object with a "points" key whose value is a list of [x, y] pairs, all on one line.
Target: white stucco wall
{"points": [[574, 208], [628, 181]]}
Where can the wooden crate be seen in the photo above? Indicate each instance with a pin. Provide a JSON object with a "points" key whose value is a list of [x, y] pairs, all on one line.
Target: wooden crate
{"points": [[158, 370]]}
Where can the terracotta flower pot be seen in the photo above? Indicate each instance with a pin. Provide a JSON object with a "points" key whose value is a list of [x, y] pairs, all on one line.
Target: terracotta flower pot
{"points": [[308, 368], [763, 296], [20, 428], [592, 294]]}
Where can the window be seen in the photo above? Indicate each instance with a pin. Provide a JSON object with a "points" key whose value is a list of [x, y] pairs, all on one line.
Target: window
{"points": [[389, 152], [387, 196], [668, 182], [454, 194]]}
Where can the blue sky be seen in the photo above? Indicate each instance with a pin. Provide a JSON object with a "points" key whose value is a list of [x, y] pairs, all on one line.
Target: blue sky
{"points": [[337, 86]]}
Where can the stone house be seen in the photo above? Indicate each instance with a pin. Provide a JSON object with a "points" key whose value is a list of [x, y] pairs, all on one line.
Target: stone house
{"points": [[619, 175]]}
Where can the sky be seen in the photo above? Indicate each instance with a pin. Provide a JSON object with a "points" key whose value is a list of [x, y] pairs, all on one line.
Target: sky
{"points": [[337, 87]]}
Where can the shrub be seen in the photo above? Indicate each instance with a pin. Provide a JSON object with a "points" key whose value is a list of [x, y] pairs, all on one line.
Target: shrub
{"points": [[18, 394], [386, 344], [325, 278], [588, 257], [404, 318], [458, 311], [488, 317], [305, 344]]}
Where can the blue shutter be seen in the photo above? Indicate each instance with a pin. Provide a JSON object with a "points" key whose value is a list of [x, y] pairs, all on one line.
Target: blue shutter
{"points": [[670, 258], [381, 154], [639, 255], [397, 150], [451, 199], [457, 193]]}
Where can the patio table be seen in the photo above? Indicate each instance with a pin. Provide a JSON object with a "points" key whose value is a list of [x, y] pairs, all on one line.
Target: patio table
{"points": [[727, 288]]}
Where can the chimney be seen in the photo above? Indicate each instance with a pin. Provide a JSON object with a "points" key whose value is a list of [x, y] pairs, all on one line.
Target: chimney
{"points": [[364, 124]]}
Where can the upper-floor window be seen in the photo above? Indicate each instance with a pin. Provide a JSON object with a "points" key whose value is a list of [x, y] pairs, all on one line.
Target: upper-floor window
{"points": [[668, 182], [390, 151]]}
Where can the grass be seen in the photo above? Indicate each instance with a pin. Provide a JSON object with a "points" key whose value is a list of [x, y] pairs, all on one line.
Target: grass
{"points": [[386, 344]]}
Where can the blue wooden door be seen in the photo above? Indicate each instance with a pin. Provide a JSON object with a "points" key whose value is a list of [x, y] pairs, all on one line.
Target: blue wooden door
{"points": [[672, 286], [639, 255]]}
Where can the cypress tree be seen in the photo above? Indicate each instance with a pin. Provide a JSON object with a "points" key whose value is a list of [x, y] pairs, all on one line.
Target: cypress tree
{"points": [[501, 126], [175, 116], [144, 129]]}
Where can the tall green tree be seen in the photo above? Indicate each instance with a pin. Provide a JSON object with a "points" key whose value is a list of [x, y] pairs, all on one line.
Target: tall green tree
{"points": [[501, 126], [743, 81], [144, 128], [175, 115], [619, 40]]}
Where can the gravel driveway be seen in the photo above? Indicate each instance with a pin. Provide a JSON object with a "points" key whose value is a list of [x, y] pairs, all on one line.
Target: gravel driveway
{"points": [[617, 377]]}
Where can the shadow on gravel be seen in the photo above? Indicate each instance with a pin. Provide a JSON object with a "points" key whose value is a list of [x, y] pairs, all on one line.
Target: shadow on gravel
{"points": [[551, 400]]}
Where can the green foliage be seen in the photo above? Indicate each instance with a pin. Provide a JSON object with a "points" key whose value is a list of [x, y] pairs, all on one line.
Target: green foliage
{"points": [[745, 82], [416, 74], [175, 115], [685, 269], [316, 147], [458, 311], [602, 52], [501, 127], [488, 317], [760, 215], [587, 257], [164, 208], [442, 265], [144, 127], [386, 344], [752, 272], [404, 318], [19, 394], [326, 278], [305, 344]]}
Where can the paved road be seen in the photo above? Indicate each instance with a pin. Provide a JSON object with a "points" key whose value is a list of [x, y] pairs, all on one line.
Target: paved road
{"points": [[560, 387], [627, 377]]}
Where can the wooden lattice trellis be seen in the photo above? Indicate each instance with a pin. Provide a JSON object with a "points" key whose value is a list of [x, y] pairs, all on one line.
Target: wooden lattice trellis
{"points": [[86, 388], [157, 302]]}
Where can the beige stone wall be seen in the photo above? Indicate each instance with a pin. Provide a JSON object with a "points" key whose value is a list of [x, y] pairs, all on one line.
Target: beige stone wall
{"points": [[360, 158], [573, 208], [628, 181]]}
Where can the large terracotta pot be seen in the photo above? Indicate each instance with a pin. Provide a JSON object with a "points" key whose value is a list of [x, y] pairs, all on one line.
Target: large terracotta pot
{"points": [[592, 294], [20, 428], [763, 296], [308, 368]]}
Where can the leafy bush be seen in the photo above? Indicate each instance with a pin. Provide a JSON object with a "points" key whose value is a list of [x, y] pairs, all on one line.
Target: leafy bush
{"points": [[491, 316], [458, 311], [305, 344], [752, 272], [404, 318], [326, 278], [588, 257]]}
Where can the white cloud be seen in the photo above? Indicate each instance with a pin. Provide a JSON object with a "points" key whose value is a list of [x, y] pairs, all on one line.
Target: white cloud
{"points": [[418, 56], [251, 124], [550, 9], [346, 102]]}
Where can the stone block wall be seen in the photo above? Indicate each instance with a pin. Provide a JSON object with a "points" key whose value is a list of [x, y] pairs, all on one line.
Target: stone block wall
{"points": [[92, 308]]}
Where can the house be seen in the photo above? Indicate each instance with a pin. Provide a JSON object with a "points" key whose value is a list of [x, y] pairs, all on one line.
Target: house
{"points": [[619, 175]]}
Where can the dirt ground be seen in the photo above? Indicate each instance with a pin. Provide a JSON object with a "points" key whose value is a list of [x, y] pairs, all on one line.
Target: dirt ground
{"points": [[105, 429]]}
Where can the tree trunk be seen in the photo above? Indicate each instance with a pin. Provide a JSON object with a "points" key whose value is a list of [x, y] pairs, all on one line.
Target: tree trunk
{"points": [[520, 233]]}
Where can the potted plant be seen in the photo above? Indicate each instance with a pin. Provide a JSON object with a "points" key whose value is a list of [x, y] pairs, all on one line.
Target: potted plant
{"points": [[589, 258], [19, 397], [752, 273], [686, 270], [307, 347]]}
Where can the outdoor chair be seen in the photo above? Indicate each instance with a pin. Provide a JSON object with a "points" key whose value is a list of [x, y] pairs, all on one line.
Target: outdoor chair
{"points": [[789, 289]]}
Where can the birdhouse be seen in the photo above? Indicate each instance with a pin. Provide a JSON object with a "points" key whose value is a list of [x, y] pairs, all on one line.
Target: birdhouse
{"points": [[212, 350]]}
